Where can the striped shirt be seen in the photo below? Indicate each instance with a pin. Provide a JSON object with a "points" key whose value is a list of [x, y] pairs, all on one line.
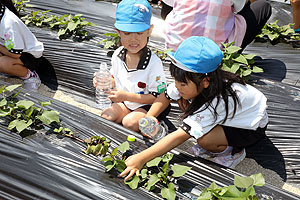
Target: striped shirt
{"points": [[215, 19]]}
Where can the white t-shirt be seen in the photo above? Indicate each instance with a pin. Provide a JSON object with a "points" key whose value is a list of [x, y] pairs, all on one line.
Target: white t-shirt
{"points": [[16, 37], [147, 78], [250, 114]]}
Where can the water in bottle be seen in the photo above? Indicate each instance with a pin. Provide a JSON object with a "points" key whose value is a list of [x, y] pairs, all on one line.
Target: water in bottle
{"points": [[149, 127], [104, 85]]}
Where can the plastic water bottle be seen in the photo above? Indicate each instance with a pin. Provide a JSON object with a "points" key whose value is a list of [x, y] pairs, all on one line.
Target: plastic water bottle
{"points": [[104, 85], [149, 127]]}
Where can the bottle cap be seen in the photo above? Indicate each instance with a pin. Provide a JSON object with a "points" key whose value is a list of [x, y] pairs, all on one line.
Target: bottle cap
{"points": [[131, 138]]}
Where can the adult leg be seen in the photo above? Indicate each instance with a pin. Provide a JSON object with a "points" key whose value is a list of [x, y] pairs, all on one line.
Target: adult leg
{"points": [[131, 120], [256, 15], [115, 113], [296, 14]]}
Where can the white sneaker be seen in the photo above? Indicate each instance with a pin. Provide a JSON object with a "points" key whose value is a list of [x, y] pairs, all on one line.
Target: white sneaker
{"points": [[33, 83], [198, 151], [229, 160]]}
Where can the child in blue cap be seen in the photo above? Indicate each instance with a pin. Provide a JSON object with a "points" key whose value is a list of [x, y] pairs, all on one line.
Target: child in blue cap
{"points": [[137, 72], [222, 113]]}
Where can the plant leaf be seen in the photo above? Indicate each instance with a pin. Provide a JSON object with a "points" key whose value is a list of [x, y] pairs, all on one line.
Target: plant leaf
{"points": [[152, 181], [12, 87], [243, 182], [124, 147], [24, 104], [169, 193], [133, 183], [257, 69], [45, 103], [120, 165], [3, 102], [109, 165], [258, 179], [13, 124], [49, 116], [22, 124], [154, 162], [179, 170], [233, 49], [144, 173], [241, 59]]}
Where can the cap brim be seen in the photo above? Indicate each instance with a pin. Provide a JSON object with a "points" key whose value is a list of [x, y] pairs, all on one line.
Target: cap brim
{"points": [[177, 63], [133, 28]]}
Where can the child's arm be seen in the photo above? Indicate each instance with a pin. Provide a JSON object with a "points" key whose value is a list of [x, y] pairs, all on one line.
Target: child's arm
{"points": [[119, 95], [158, 106], [136, 162]]}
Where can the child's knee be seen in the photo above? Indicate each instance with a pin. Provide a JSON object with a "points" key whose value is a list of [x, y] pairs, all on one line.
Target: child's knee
{"points": [[109, 115], [130, 123]]}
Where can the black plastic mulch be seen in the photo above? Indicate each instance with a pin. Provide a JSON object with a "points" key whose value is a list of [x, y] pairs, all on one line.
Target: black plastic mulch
{"points": [[45, 167]]}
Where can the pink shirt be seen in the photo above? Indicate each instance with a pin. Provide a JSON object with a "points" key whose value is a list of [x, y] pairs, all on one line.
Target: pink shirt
{"points": [[214, 19]]}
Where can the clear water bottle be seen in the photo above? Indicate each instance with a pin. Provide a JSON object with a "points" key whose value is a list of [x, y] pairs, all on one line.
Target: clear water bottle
{"points": [[104, 85], [149, 127]]}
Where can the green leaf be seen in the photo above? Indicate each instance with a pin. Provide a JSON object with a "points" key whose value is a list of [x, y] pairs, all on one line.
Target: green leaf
{"points": [[241, 59], [2, 88], [133, 183], [165, 167], [213, 186], [3, 102], [257, 69], [24, 104], [167, 157], [169, 193], [205, 195], [144, 173], [124, 147], [152, 181], [114, 151], [97, 149], [273, 36], [235, 67], [12, 87], [232, 192], [233, 49], [243, 182], [120, 165], [247, 72], [45, 103], [179, 170], [61, 32], [73, 25], [154, 162], [108, 158], [109, 165], [49, 116], [22, 124], [105, 149], [258, 179], [13, 124], [29, 111]]}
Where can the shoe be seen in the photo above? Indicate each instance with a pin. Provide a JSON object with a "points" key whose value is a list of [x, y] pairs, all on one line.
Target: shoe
{"points": [[297, 30], [229, 160], [198, 151], [33, 83]]}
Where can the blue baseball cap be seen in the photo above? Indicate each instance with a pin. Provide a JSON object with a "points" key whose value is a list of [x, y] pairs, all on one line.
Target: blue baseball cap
{"points": [[133, 15], [197, 54]]}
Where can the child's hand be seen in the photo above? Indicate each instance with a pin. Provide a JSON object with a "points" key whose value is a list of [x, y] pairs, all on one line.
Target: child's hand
{"points": [[94, 80], [118, 95], [134, 165]]}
